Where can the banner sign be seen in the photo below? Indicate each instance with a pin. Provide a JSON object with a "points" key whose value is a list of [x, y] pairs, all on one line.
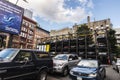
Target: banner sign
{"points": [[10, 17], [44, 48]]}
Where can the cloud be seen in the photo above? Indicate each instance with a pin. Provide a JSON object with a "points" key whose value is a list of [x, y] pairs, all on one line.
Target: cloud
{"points": [[87, 3], [54, 10]]}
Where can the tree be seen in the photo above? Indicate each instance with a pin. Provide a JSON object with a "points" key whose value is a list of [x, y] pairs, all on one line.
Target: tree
{"points": [[84, 32], [83, 29], [112, 41]]}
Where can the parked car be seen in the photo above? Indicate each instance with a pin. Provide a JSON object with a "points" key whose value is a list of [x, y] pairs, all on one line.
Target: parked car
{"points": [[116, 65], [62, 63], [88, 70], [18, 64]]}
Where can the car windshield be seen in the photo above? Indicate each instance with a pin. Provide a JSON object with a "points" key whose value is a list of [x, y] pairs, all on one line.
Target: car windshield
{"points": [[61, 57], [88, 63], [7, 54]]}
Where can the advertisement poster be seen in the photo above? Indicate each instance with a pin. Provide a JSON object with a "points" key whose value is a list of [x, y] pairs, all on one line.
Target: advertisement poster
{"points": [[10, 17], [45, 48]]}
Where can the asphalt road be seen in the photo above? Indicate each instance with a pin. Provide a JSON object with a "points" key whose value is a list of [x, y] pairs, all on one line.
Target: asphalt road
{"points": [[110, 75]]}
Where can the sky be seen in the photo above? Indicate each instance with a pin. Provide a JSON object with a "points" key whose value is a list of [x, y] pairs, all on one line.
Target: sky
{"points": [[59, 14]]}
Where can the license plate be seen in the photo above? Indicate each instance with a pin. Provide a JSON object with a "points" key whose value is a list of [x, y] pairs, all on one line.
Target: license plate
{"points": [[79, 78]]}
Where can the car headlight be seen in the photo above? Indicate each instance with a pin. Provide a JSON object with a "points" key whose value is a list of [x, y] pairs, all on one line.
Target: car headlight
{"points": [[61, 64], [71, 72], [58, 64], [92, 75]]}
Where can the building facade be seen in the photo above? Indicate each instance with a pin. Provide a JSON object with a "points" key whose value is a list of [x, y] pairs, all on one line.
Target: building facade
{"points": [[28, 37], [63, 31], [117, 35], [96, 25], [40, 33], [99, 25]]}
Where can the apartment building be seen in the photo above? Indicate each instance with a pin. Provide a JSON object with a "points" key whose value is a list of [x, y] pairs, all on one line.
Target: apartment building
{"points": [[27, 35], [40, 33], [100, 25], [117, 35]]}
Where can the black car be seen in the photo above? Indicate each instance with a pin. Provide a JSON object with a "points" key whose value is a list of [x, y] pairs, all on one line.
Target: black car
{"points": [[17, 64], [88, 70]]}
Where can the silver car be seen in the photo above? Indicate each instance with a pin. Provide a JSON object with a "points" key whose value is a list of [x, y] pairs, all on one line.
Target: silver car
{"points": [[116, 65], [64, 62]]}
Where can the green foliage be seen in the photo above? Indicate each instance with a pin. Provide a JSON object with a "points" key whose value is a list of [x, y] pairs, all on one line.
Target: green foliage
{"points": [[112, 41], [117, 51], [83, 29]]}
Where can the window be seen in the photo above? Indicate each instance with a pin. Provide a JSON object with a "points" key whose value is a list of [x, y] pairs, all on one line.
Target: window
{"points": [[41, 55], [7, 54], [23, 56], [75, 57]]}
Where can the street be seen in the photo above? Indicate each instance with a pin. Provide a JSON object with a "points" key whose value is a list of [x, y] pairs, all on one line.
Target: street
{"points": [[110, 75]]}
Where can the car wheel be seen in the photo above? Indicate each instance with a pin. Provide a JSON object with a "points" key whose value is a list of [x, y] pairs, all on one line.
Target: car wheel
{"points": [[65, 71], [104, 74], [113, 68], [117, 69], [42, 75]]}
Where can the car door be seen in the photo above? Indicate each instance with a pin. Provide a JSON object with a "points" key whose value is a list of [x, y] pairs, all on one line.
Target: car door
{"points": [[71, 61], [101, 72], [21, 66], [75, 60], [25, 62], [43, 60]]}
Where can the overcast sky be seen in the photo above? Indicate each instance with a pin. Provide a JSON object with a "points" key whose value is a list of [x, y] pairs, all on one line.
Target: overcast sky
{"points": [[58, 14]]}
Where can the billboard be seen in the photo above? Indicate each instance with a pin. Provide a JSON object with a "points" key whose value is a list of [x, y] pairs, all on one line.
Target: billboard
{"points": [[10, 17]]}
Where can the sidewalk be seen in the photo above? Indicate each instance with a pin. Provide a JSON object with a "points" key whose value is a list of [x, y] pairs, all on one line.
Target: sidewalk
{"points": [[111, 74]]}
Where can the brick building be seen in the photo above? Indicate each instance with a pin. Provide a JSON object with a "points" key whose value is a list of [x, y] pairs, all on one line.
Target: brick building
{"points": [[27, 37], [40, 33]]}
